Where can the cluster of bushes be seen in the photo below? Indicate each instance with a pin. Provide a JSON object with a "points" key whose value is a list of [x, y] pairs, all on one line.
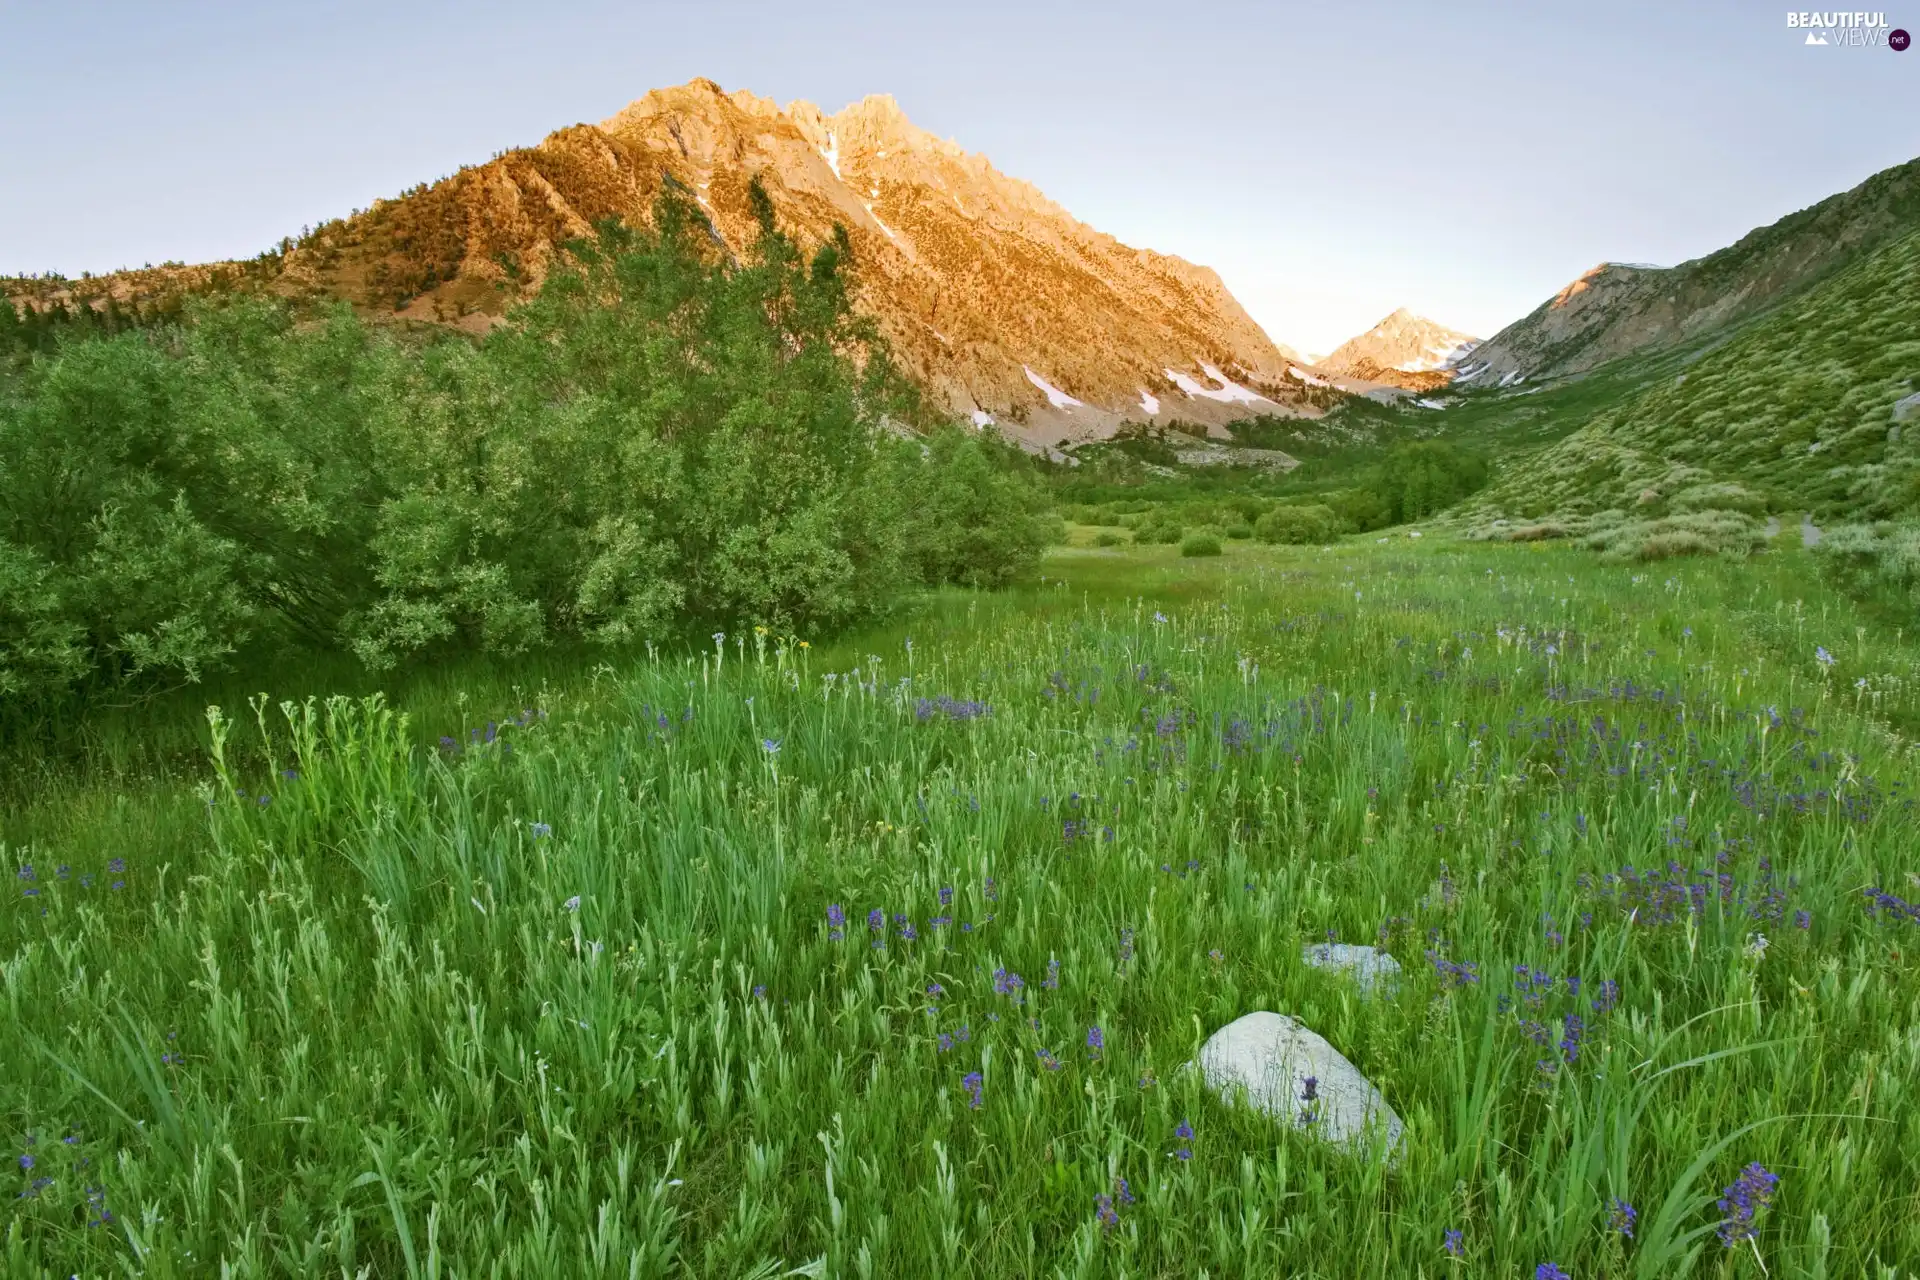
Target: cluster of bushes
{"points": [[1300, 525], [1707, 532], [661, 440], [1874, 561]]}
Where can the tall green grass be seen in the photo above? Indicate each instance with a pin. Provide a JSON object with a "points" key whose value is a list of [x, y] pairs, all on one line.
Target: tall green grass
{"points": [[566, 998]]}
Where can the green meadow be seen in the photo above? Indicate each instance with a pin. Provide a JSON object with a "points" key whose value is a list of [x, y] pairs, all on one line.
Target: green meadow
{"points": [[884, 954]]}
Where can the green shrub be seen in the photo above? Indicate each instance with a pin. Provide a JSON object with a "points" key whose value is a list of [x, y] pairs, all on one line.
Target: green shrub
{"points": [[1719, 496], [1240, 532], [1159, 528], [1300, 525], [1109, 539], [969, 515], [1870, 560], [1725, 533], [1200, 544]]}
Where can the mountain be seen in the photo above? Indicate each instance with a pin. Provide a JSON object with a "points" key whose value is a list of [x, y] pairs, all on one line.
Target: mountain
{"points": [[1403, 350], [1810, 407], [1621, 309], [1002, 305]]}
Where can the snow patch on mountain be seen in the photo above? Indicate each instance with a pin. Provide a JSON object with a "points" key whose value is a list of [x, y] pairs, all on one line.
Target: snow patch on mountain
{"points": [[1227, 392], [1055, 396]]}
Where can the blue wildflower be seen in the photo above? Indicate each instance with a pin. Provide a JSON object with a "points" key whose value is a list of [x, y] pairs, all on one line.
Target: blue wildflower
{"points": [[1751, 1192]]}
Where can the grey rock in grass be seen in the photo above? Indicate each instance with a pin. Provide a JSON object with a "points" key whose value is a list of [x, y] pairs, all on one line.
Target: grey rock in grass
{"points": [[1370, 968], [1908, 407], [1267, 1058]]}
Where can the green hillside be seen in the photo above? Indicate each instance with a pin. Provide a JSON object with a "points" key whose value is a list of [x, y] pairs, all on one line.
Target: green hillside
{"points": [[1794, 413]]}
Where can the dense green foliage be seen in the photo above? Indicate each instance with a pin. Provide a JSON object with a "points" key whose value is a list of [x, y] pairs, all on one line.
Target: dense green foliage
{"points": [[1300, 524], [30, 330], [566, 998], [660, 441], [1412, 482]]}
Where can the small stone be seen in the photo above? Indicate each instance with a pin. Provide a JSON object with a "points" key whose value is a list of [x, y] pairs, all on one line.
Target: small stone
{"points": [[1267, 1058], [1369, 967]]}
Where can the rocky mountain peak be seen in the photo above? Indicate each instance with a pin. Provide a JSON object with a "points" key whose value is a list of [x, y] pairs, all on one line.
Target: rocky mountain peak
{"points": [[1404, 350], [1001, 304]]}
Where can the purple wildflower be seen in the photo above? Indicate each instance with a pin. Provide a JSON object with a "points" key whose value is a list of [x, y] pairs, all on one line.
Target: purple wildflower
{"points": [[1451, 1243], [1547, 1270], [1622, 1217], [1103, 1211], [974, 1084], [836, 922], [1095, 1041], [1751, 1192]]}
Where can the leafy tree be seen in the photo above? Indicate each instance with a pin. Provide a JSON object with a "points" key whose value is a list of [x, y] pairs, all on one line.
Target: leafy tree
{"points": [[662, 439]]}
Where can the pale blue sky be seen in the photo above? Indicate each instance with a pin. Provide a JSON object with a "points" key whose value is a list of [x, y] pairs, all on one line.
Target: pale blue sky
{"points": [[1331, 160]]}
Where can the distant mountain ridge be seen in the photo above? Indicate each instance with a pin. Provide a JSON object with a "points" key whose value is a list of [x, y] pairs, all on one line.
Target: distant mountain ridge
{"points": [[1002, 306], [1811, 407], [1621, 309], [1403, 350]]}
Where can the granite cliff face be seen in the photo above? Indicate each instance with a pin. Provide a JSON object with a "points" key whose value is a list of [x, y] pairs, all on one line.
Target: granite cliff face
{"points": [[1000, 303]]}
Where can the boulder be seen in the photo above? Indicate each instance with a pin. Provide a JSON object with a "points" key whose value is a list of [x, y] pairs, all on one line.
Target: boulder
{"points": [[1906, 408], [1370, 968], [1268, 1058]]}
